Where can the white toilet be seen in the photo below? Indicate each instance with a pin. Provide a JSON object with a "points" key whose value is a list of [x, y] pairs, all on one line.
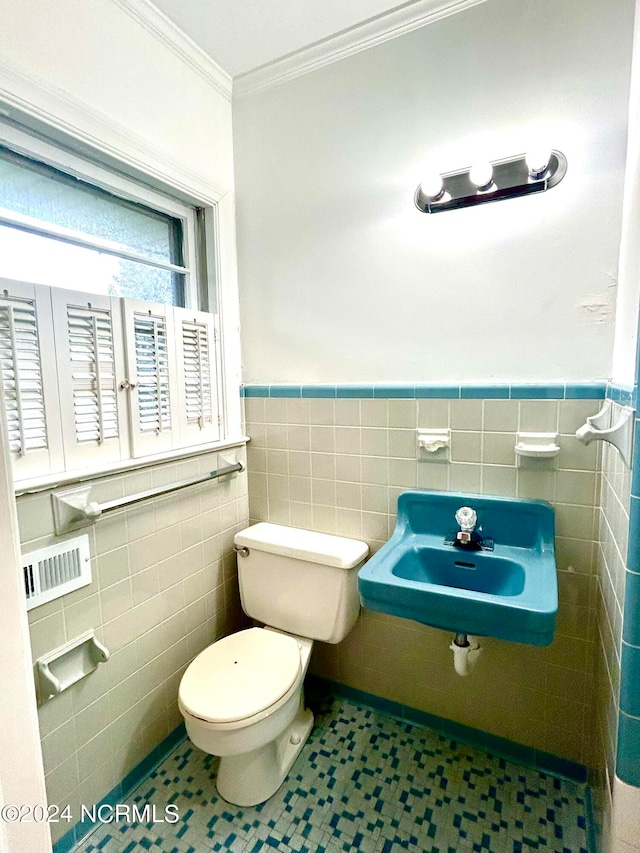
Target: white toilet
{"points": [[241, 697]]}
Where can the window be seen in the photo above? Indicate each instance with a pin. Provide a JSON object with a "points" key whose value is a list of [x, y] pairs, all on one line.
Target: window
{"points": [[105, 355], [58, 230]]}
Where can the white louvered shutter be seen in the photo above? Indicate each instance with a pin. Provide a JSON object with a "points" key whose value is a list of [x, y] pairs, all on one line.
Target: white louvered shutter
{"points": [[89, 351], [29, 381], [151, 372], [198, 376]]}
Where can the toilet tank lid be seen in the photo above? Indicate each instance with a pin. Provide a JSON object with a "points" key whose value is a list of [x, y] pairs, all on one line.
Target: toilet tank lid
{"points": [[337, 551]]}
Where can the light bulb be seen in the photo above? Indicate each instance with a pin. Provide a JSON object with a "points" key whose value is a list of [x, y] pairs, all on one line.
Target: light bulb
{"points": [[432, 187], [537, 161], [481, 174]]}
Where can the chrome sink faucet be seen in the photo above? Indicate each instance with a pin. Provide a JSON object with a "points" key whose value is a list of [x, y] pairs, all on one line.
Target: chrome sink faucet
{"points": [[467, 537]]}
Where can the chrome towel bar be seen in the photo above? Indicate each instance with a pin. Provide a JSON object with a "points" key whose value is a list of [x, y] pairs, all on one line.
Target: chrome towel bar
{"points": [[73, 508], [163, 490]]}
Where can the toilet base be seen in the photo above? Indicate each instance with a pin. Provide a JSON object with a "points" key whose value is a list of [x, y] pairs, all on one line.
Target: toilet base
{"points": [[253, 777]]}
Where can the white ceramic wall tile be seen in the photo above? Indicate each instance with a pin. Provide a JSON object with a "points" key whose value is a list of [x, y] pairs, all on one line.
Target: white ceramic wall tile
{"points": [[375, 470], [374, 413], [348, 468], [354, 490], [611, 556], [403, 414], [58, 746], [150, 603], [433, 413], [466, 447], [538, 416], [498, 448], [466, 415], [375, 441], [500, 415], [465, 477], [297, 411], [113, 567], [499, 480], [299, 437], [83, 615], [321, 412], [402, 443]]}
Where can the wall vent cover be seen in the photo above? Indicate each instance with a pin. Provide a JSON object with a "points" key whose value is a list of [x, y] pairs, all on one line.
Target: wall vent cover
{"points": [[56, 570]]}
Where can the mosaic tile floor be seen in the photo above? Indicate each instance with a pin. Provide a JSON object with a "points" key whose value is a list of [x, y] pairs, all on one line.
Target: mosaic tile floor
{"points": [[363, 782]]}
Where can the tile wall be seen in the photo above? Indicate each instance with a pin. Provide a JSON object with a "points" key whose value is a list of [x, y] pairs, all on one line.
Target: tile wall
{"points": [[337, 465], [164, 586], [611, 571]]}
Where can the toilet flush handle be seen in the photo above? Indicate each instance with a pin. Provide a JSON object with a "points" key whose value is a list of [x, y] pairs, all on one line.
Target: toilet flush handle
{"points": [[242, 550]]}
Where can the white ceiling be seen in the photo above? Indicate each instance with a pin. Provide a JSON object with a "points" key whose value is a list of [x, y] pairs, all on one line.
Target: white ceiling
{"points": [[241, 35]]}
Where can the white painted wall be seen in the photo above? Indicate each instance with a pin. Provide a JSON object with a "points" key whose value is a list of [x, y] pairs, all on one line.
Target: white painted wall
{"points": [[113, 73], [21, 773], [111, 77], [341, 279], [626, 332], [116, 80]]}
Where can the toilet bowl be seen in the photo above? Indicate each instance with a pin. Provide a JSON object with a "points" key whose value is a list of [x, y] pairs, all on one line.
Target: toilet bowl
{"points": [[242, 697]]}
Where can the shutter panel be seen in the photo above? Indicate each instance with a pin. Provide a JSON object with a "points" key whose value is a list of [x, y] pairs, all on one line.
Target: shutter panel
{"points": [[22, 375], [29, 379], [198, 381], [75, 367], [89, 352], [152, 373], [152, 369], [93, 380]]}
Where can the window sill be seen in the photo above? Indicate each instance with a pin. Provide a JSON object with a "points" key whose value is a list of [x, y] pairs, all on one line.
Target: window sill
{"points": [[41, 484]]}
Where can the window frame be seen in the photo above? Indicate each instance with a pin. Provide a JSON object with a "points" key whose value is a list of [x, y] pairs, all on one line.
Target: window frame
{"points": [[50, 457], [209, 253], [129, 189]]}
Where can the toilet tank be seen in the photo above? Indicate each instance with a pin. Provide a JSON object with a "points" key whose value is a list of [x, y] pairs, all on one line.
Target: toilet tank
{"points": [[299, 581]]}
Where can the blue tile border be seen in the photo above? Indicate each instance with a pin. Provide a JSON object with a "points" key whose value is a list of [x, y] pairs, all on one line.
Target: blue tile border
{"points": [[635, 467], [633, 545], [389, 392], [528, 756], [484, 392], [585, 390], [122, 790], [436, 392], [537, 392], [628, 746], [285, 390], [630, 680], [317, 391], [631, 622], [155, 757], [621, 394], [592, 826], [628, 757], [66, 843], [420, 391], [354, 391]]}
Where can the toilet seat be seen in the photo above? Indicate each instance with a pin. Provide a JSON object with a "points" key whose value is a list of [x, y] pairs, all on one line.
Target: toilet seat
{"points": [[240, 676]]}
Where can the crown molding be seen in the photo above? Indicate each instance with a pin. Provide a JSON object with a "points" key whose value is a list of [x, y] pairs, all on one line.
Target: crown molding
{"points": [[30, 102], [382, 28], [171, 36]]}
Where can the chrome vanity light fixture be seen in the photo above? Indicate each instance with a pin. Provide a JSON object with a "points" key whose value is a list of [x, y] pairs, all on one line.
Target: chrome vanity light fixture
{"points": [[535, 172]]}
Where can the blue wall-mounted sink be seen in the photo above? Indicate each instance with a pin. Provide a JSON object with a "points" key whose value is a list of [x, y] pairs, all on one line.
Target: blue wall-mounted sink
{"points": [[510, 592]]}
